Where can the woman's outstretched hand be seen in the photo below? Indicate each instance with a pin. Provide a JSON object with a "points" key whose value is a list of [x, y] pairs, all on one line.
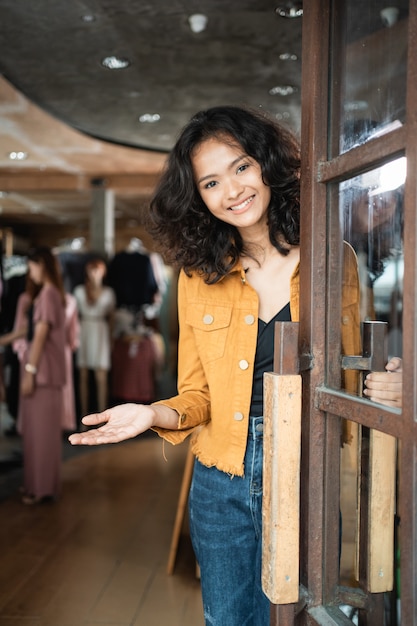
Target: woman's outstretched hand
{"points": [[386, 387], [117, 424]]}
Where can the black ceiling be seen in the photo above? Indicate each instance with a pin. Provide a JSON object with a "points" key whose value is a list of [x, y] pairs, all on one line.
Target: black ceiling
{"points": [[52, 52]]}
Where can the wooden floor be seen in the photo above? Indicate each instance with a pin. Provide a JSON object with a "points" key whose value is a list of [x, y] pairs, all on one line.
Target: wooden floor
{"points": [[99, 555]]}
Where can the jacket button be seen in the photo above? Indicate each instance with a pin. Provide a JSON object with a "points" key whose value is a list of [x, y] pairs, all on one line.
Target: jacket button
{"points": [[183, 418], [249, 319], [238, 416], [208, 319], [243, 364]]}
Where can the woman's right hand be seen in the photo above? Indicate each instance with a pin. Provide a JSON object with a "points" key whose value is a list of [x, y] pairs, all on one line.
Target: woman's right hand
{"points": [[121, 422]]}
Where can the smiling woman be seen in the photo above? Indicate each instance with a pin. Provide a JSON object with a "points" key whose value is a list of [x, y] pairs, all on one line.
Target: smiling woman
{"points": [[227, 210], [227, 200]]}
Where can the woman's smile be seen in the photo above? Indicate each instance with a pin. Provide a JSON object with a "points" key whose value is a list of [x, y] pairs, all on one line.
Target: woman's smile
{"points": [[242, 205]]}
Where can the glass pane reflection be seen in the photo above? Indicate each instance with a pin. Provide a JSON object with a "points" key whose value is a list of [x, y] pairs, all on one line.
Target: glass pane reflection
{"points": [[371, 219], [371, 211], [371, 70]]}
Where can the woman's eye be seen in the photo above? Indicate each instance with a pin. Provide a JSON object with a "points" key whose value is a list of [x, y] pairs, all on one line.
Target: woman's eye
{"points": [[243, 167], [209, 185]]}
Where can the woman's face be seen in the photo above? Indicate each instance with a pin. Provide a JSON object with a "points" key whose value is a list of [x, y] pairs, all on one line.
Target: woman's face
{"points": [[36, 272], [230, 184], [96, 273]]}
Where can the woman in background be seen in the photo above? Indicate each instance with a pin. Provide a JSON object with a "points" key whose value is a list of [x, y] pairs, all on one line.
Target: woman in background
{"points": [[42, 382], [96, 304]]}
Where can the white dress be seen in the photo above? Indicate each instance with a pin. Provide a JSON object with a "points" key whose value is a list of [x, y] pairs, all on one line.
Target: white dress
{"points": [[94, 349]]}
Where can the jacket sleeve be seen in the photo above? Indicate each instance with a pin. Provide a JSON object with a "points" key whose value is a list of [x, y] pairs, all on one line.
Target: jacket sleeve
{"points": [[193, 400]]}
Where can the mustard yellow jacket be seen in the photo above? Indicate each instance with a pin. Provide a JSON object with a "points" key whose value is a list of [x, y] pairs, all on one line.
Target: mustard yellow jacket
{"points": [[217, 343]]}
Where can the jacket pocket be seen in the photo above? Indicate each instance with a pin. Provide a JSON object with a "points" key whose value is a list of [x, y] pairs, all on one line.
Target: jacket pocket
{"points": [[210, 324]]}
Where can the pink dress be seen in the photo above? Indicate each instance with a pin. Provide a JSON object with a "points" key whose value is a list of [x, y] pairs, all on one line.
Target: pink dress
{"points": [[41, 412]]}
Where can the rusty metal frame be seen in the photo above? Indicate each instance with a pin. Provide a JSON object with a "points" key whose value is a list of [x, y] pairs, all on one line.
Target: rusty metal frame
{"points": [[322, 401]]}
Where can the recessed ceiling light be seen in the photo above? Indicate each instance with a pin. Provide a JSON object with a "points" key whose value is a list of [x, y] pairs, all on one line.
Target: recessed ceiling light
{"points": [[198, 22], [18, 156], [149, 118], [288, 56], [88, 18], [290, 9], [282, 90], [115, 63]]}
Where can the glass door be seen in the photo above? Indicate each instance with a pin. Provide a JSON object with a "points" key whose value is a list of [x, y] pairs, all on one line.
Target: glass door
{"points": [[358, 474]]}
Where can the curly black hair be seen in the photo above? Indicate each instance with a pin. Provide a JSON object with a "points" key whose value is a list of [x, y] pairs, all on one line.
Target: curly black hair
{"points": [[189, 235]]}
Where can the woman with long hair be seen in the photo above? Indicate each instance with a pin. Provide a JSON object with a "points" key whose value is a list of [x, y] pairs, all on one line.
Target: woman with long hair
{"points": [[42, 381], [227, 212]]}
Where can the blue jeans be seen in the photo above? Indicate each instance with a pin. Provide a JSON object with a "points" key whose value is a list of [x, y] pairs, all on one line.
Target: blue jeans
{"points": [[226, 531]]}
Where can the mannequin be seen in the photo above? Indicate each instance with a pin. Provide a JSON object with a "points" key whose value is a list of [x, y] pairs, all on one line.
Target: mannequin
{"points": [[96, 304]]}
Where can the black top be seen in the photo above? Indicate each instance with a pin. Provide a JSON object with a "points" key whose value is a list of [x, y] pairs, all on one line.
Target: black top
{"points": [[264, 357]]}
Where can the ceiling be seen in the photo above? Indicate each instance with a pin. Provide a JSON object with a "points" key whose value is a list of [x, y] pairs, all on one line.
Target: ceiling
{"points": [[54, 53], [78, 123]]}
